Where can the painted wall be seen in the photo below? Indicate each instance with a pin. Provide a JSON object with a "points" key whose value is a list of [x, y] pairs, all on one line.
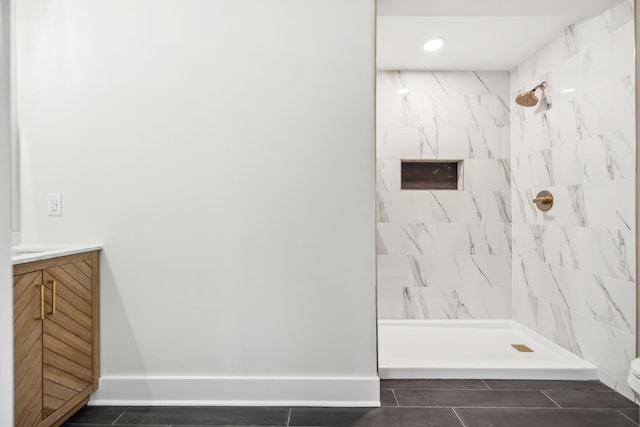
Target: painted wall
{"points": [[444, 254], [637, 81], [6, 286], [574, 266], [223, 152]]}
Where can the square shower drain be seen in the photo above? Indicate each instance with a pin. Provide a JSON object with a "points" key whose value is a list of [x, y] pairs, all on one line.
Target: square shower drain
{"points": [[522, 348]]}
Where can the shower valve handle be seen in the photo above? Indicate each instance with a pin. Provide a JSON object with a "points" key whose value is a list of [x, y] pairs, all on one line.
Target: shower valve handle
{"points": [[544, 200]]}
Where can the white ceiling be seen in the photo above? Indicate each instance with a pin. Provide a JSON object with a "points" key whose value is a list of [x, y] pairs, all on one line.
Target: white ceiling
{"points": [[479, 34]]}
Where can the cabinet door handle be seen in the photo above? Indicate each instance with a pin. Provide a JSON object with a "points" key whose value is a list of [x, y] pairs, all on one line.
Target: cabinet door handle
{"points": [[54, 284], [41, 303]]}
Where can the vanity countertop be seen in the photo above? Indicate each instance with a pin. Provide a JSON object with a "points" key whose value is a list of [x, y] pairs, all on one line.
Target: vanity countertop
{"points": [[28, 253]]}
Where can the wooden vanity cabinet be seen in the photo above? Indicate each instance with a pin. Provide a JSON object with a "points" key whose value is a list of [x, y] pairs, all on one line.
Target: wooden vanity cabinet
{"points": [[56, 365]]}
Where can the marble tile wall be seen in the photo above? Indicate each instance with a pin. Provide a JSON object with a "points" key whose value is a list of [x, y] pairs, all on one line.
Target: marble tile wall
{"points": [[574, 267], [444, 254]]}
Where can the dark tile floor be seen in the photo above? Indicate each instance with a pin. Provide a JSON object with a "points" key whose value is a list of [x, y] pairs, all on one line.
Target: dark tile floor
{"points": [[410, 403]]}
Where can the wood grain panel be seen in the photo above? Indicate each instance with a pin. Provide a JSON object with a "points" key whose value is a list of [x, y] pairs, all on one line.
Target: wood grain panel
{"points": [[60, 390], [27, 350], [79, 275], [62, 323], [52, 262], [58, 376], [65, 295], [52, 403], [56, 360], [45, 414], [67, 356], [69, 408], [26, 301], [22, 285], [72, 313], [65, 364], [74, 286], [27, 341], [94, 263], [28, 388], [65, 350], [86, 267]]}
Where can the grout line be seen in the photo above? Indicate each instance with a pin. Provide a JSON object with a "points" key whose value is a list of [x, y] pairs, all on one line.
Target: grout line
{"points": [[119, 416], [395, 397], [455, 389], [459, 419], [556, 403], [625, 415], [289, 416], [492, 407], [608, 408]]}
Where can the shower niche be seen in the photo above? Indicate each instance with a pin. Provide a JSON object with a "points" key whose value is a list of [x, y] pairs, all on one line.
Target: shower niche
{"points": [[431, 175]]}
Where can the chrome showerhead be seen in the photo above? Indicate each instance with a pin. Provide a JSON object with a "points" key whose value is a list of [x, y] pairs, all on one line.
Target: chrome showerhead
{"points": [[529, 99]]}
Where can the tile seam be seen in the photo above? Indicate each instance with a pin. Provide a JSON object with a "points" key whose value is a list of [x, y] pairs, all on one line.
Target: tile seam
{"points": [[494, 407], [458, 416], [625, 415], [119, 416]]}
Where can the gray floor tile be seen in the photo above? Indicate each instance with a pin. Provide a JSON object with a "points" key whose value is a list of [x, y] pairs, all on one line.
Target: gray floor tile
{"points": [[387, 398], [546, 385], [521, 417], [435, 384], [120, 425], [633, 413], [97, 415], [378, 417], [328, 416], [590, 399], [473, 398], [206, 416]]}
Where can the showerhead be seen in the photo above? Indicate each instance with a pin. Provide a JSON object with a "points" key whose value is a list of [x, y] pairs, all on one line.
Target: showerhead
{"points": [[529, 99]]}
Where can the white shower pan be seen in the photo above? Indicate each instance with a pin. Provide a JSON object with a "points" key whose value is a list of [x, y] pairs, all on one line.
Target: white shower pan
{"points": [[480, 349]]}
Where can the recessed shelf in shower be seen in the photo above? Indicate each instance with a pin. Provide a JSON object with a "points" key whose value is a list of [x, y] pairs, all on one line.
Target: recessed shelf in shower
{"points": [[431, 175]]}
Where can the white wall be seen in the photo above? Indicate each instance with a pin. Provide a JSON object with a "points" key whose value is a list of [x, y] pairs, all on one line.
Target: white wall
{"points": [[637, 84], [223, 152], [6, 287]]}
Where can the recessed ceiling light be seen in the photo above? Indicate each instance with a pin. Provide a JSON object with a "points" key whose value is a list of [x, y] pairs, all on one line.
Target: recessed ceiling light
{"points": [[402, 91], [433, 44], [568, 90]]}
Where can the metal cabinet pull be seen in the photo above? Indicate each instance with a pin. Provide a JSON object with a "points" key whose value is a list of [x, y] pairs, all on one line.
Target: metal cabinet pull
{"points": [[54, 284], [41, 303]]}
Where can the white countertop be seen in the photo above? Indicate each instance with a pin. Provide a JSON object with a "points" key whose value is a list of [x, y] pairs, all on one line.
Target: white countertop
{"points": [[28, 253]]}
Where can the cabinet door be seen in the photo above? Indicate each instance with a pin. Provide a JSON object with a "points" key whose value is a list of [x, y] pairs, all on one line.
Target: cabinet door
{"points": [[67, 338], [27, 341]]}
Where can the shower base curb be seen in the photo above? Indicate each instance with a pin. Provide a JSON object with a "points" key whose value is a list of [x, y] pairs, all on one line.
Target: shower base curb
{"points": [[464, 337]]}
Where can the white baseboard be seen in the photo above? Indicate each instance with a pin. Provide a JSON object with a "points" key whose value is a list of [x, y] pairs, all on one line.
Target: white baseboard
{"points": [[238, 391]]}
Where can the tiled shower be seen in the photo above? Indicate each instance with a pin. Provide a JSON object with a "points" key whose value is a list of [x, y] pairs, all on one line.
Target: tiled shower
{"points": [[486, 252]]}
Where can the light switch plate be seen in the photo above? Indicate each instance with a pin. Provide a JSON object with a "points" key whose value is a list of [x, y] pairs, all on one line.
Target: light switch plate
{"points": [[54, 204]]}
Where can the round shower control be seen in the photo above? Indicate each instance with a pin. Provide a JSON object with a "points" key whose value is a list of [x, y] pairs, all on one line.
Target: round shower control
{"points": [[544, 200]]}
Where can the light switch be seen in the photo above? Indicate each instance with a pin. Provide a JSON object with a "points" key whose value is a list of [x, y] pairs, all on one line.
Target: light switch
{"points": [[54, 204]]}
